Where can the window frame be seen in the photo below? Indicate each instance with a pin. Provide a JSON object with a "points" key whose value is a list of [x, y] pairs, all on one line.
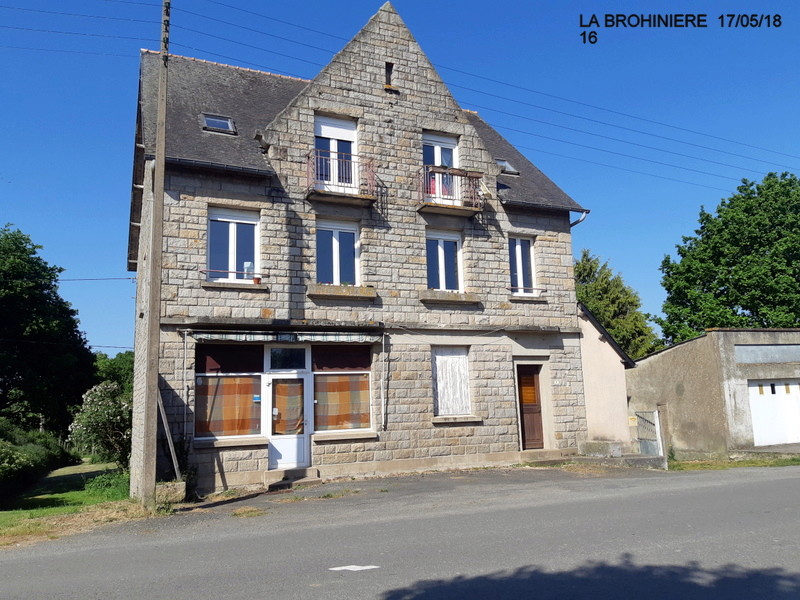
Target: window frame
{"points": [[233, 217], [463, 382], [336, 228], [336, 130], [323, 370], [230, 129], [440, 181], [516, 256], [440, 237]]}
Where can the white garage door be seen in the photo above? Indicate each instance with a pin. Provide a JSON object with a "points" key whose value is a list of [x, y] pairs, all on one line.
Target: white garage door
{"points": [[775, 411]]}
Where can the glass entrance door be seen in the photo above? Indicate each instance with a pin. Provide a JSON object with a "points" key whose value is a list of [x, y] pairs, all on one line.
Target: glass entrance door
{"points": [[290, 427]]}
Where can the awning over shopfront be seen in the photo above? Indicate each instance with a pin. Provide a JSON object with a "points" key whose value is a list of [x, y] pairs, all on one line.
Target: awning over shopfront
{"points": [[285, 337]]}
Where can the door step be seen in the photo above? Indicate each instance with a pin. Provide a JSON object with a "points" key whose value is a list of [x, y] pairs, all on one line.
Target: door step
{"points": [[288, 479]]}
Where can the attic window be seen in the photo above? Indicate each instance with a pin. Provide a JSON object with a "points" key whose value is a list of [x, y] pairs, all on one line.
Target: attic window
{"points": [[505, 167], [218, 124]]}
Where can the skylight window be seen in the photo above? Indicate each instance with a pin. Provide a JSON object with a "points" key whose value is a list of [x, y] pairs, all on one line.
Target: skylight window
{"points": [[219, 124], [505, 167]]}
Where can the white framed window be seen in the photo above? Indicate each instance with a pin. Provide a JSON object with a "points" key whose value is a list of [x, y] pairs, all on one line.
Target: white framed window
{"points": [[342, 388], [232, 245], [450, 366], [228, 383], [338, 253], [335, 152], [440, 153], [443, 251], [523, 274], [219, 124]]}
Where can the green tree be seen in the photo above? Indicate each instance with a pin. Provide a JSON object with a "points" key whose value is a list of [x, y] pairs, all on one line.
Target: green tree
{"points": [[615, 304], [118, 369], [45, 364], [742, 266]]}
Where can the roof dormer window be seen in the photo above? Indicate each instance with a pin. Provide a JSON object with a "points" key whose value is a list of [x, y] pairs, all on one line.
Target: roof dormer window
{"points": [[218, 124]]}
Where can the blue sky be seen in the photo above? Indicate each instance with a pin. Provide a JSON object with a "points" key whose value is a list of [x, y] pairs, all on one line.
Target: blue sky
{"points": [[642, 128]]}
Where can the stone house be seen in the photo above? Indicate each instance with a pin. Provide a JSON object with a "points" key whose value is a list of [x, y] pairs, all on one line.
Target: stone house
{"points": [[347, 275], [727, 390]]}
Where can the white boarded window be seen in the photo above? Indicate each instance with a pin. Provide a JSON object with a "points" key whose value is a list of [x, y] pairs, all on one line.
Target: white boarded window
{"points": [[450, 380]]}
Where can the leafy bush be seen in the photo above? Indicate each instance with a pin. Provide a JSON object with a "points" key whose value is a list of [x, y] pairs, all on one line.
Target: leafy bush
{"points": [[12, 461], [114, 485], [102, 425], [27, 455]]}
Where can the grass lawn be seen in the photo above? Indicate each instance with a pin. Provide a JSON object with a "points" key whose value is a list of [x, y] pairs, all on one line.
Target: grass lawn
{"points": [[60, 504], [708, 465]]}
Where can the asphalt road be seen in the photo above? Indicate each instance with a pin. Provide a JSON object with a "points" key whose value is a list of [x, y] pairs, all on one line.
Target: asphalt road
{"points": [[516, 533]]}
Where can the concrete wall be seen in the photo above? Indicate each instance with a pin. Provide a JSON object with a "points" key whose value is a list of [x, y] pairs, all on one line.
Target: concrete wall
{"points": [[605, 391], [753, 354], [683, 383]]}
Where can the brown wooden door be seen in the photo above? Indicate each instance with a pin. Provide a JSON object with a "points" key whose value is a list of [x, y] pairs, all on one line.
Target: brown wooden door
{"points": [[530, 407]]}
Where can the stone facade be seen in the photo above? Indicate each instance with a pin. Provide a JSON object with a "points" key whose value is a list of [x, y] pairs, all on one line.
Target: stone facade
{"points": [[392, 302]]}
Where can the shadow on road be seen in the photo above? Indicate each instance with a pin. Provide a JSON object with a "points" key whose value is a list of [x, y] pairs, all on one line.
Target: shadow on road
{"points": [[599, 581]]}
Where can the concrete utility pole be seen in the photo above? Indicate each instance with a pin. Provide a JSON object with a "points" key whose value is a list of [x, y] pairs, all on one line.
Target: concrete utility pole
{"points": [[146, 488]]}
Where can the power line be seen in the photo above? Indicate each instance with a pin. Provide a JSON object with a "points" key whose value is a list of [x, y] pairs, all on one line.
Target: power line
{"points": [[591, 162], [617, 153], [525, 89], [606, 137], [522, 102], [78, 33], [236, 60], [99, 279], [258, 31], [63, 14], [136, 56], [260, 49], [689, 169], [263, 16], [533, 91]]}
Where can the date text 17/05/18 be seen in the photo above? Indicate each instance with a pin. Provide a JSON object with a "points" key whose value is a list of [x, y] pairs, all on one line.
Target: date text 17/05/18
{"points": [[679, 20]]}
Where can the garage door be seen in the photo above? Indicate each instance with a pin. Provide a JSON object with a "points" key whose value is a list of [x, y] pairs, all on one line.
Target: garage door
{"points": [[775, 411]]}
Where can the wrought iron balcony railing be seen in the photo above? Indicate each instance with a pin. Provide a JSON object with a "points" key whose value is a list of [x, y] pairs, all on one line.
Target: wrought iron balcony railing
{"points": [[341, 173], [447, 186]]}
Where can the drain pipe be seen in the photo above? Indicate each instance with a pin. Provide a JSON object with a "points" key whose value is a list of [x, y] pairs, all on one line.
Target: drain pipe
{"points": [[584, 214], [383, 383]]}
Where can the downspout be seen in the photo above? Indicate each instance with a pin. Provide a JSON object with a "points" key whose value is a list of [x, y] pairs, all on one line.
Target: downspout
{"points": [[580, 219], [383, 383], [183, 333]]}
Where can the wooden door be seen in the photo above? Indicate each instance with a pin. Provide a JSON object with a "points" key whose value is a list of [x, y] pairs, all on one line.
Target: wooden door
{"points": [[530, 407]]}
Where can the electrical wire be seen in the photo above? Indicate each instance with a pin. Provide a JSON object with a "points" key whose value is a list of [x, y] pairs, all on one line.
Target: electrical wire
{"points": [[63, 14], [534, 91]]}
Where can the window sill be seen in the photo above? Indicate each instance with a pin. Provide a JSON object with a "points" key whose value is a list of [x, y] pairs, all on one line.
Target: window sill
{"points": [[449, 419], [230, 285], [354, 292], [528, 298], [446, 297], [230, 442], [335, 436]]}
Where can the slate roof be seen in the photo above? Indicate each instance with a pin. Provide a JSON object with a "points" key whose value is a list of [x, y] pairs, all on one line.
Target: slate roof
{"points": [[254, 98], [531, 187], [251, 98]]}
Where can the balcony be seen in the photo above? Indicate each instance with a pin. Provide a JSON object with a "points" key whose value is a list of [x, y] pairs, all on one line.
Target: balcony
{"points": [[341, 178], [450, 191]]}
